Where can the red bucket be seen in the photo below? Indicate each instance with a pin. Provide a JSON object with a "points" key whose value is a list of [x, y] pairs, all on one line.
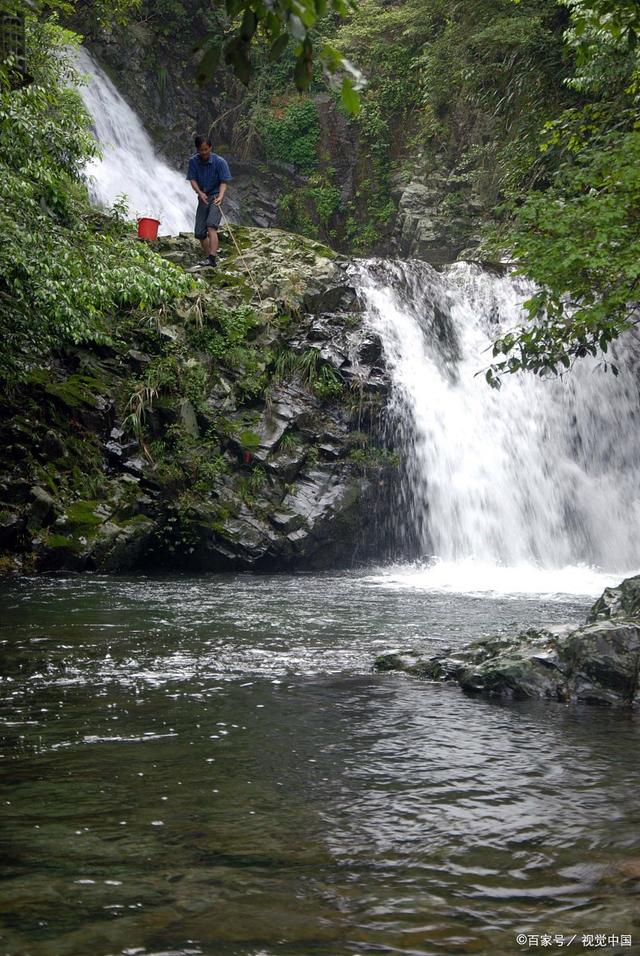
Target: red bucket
{"points": [[148, 228]]}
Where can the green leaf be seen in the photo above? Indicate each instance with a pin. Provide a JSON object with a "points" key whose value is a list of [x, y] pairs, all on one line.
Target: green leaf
{"points": [[278, 46], [350, 96], [209, 62], [297, 28], [303, 72], [236, 55], [249, 25]]}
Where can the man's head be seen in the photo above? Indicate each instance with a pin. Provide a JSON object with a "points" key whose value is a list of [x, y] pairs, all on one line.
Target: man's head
{"points": [[204, 147]]}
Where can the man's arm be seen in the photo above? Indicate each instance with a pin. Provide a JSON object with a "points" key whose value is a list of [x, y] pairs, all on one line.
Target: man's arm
{"points": [[202, 195], [220, 196]]}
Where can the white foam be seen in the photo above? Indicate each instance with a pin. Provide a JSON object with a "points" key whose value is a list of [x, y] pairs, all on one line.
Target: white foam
{"points": [[479, 577]]}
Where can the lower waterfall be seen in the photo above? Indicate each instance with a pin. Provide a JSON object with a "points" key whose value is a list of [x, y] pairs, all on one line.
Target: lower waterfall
{"points": [[533, 487], [530, 489]]}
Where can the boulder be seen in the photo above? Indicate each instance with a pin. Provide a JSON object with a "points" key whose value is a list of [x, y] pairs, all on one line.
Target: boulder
{"points": [[598, 663]]}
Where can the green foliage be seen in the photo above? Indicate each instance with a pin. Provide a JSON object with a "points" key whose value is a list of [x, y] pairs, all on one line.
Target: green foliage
{"points": [[387, 41], [578, 235], [293, 213], [288, 443], [226, 336], [65, 272], [580, 242], [311, 370], [225, 331], [372, 459], [327, 384], [326, 198], [312, 209], [599, 27], [256, 480], [282, 24], [291, 134], [249, 439]]}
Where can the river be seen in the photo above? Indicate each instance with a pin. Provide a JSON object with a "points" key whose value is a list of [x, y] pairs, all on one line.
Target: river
{"points": [[209, 766]]}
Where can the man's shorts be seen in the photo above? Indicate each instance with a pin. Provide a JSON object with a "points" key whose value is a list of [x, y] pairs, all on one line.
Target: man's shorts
{"points": [[207, 217]]}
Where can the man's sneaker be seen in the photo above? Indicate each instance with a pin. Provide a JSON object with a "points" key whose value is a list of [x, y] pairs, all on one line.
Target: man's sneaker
{"points": [[212, 261]]}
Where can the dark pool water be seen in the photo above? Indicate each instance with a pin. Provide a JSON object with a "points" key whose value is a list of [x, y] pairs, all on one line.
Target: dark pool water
{"points": [[209, 766]]}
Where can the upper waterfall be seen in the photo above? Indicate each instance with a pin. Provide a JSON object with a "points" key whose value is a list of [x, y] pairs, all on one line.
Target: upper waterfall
{"points": [[130, 163], [542, 474]]}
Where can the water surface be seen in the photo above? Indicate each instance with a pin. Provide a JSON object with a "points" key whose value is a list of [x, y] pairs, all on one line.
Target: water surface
{"points": [[209, 766]]}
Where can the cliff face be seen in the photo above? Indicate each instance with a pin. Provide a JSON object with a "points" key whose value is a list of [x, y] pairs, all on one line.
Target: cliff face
{"points": [[242, 429]]}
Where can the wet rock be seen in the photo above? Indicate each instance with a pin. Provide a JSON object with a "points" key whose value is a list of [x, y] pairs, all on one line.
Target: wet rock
{"points": [[135, 466], [53, 446], [114, 449], [598, 663], [603, 660], [10, 528], [370, 349], [426, 227], [121, 547], [44, 508], [140, 358], [253, 470], [620, 602]]}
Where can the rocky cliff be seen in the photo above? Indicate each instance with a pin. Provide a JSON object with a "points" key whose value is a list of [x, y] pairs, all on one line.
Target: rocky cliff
{"points": [[242, 428]]}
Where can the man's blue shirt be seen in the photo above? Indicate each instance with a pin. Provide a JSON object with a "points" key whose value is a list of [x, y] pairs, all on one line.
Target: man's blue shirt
{"points": [[209, 175]]}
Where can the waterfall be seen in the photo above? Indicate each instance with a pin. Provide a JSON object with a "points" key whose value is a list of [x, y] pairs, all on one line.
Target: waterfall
{"points": [[130, 163], [537, 480], [535, 483]]}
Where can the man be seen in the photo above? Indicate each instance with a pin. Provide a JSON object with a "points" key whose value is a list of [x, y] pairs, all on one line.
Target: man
{"points": [[208, 175]]}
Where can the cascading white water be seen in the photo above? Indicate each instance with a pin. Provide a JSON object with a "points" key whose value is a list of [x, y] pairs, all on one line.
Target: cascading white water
{"points": [[509, 486], [130, 163]]}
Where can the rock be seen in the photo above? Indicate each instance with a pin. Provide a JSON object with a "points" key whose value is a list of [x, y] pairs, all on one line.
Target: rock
{"points": [[598, 663], [187, 418], [135, 466], [425, 227], [10, 528], [370, 349], [121, 547], [44, 508], [253, 470], [141, 358], [52, 445], [603, 660], [620, 602]]}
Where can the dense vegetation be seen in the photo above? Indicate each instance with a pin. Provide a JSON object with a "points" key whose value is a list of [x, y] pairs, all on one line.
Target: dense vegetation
{"points": [[65, 271], [576, 230]]}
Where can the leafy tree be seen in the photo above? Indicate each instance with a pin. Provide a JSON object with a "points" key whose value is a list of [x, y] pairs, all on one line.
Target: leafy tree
{"points": [[578, 237], [282, 23]]}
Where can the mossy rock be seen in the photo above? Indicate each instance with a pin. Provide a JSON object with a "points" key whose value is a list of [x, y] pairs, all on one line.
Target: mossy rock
{"points": [[81, 517], [74, 392]]}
